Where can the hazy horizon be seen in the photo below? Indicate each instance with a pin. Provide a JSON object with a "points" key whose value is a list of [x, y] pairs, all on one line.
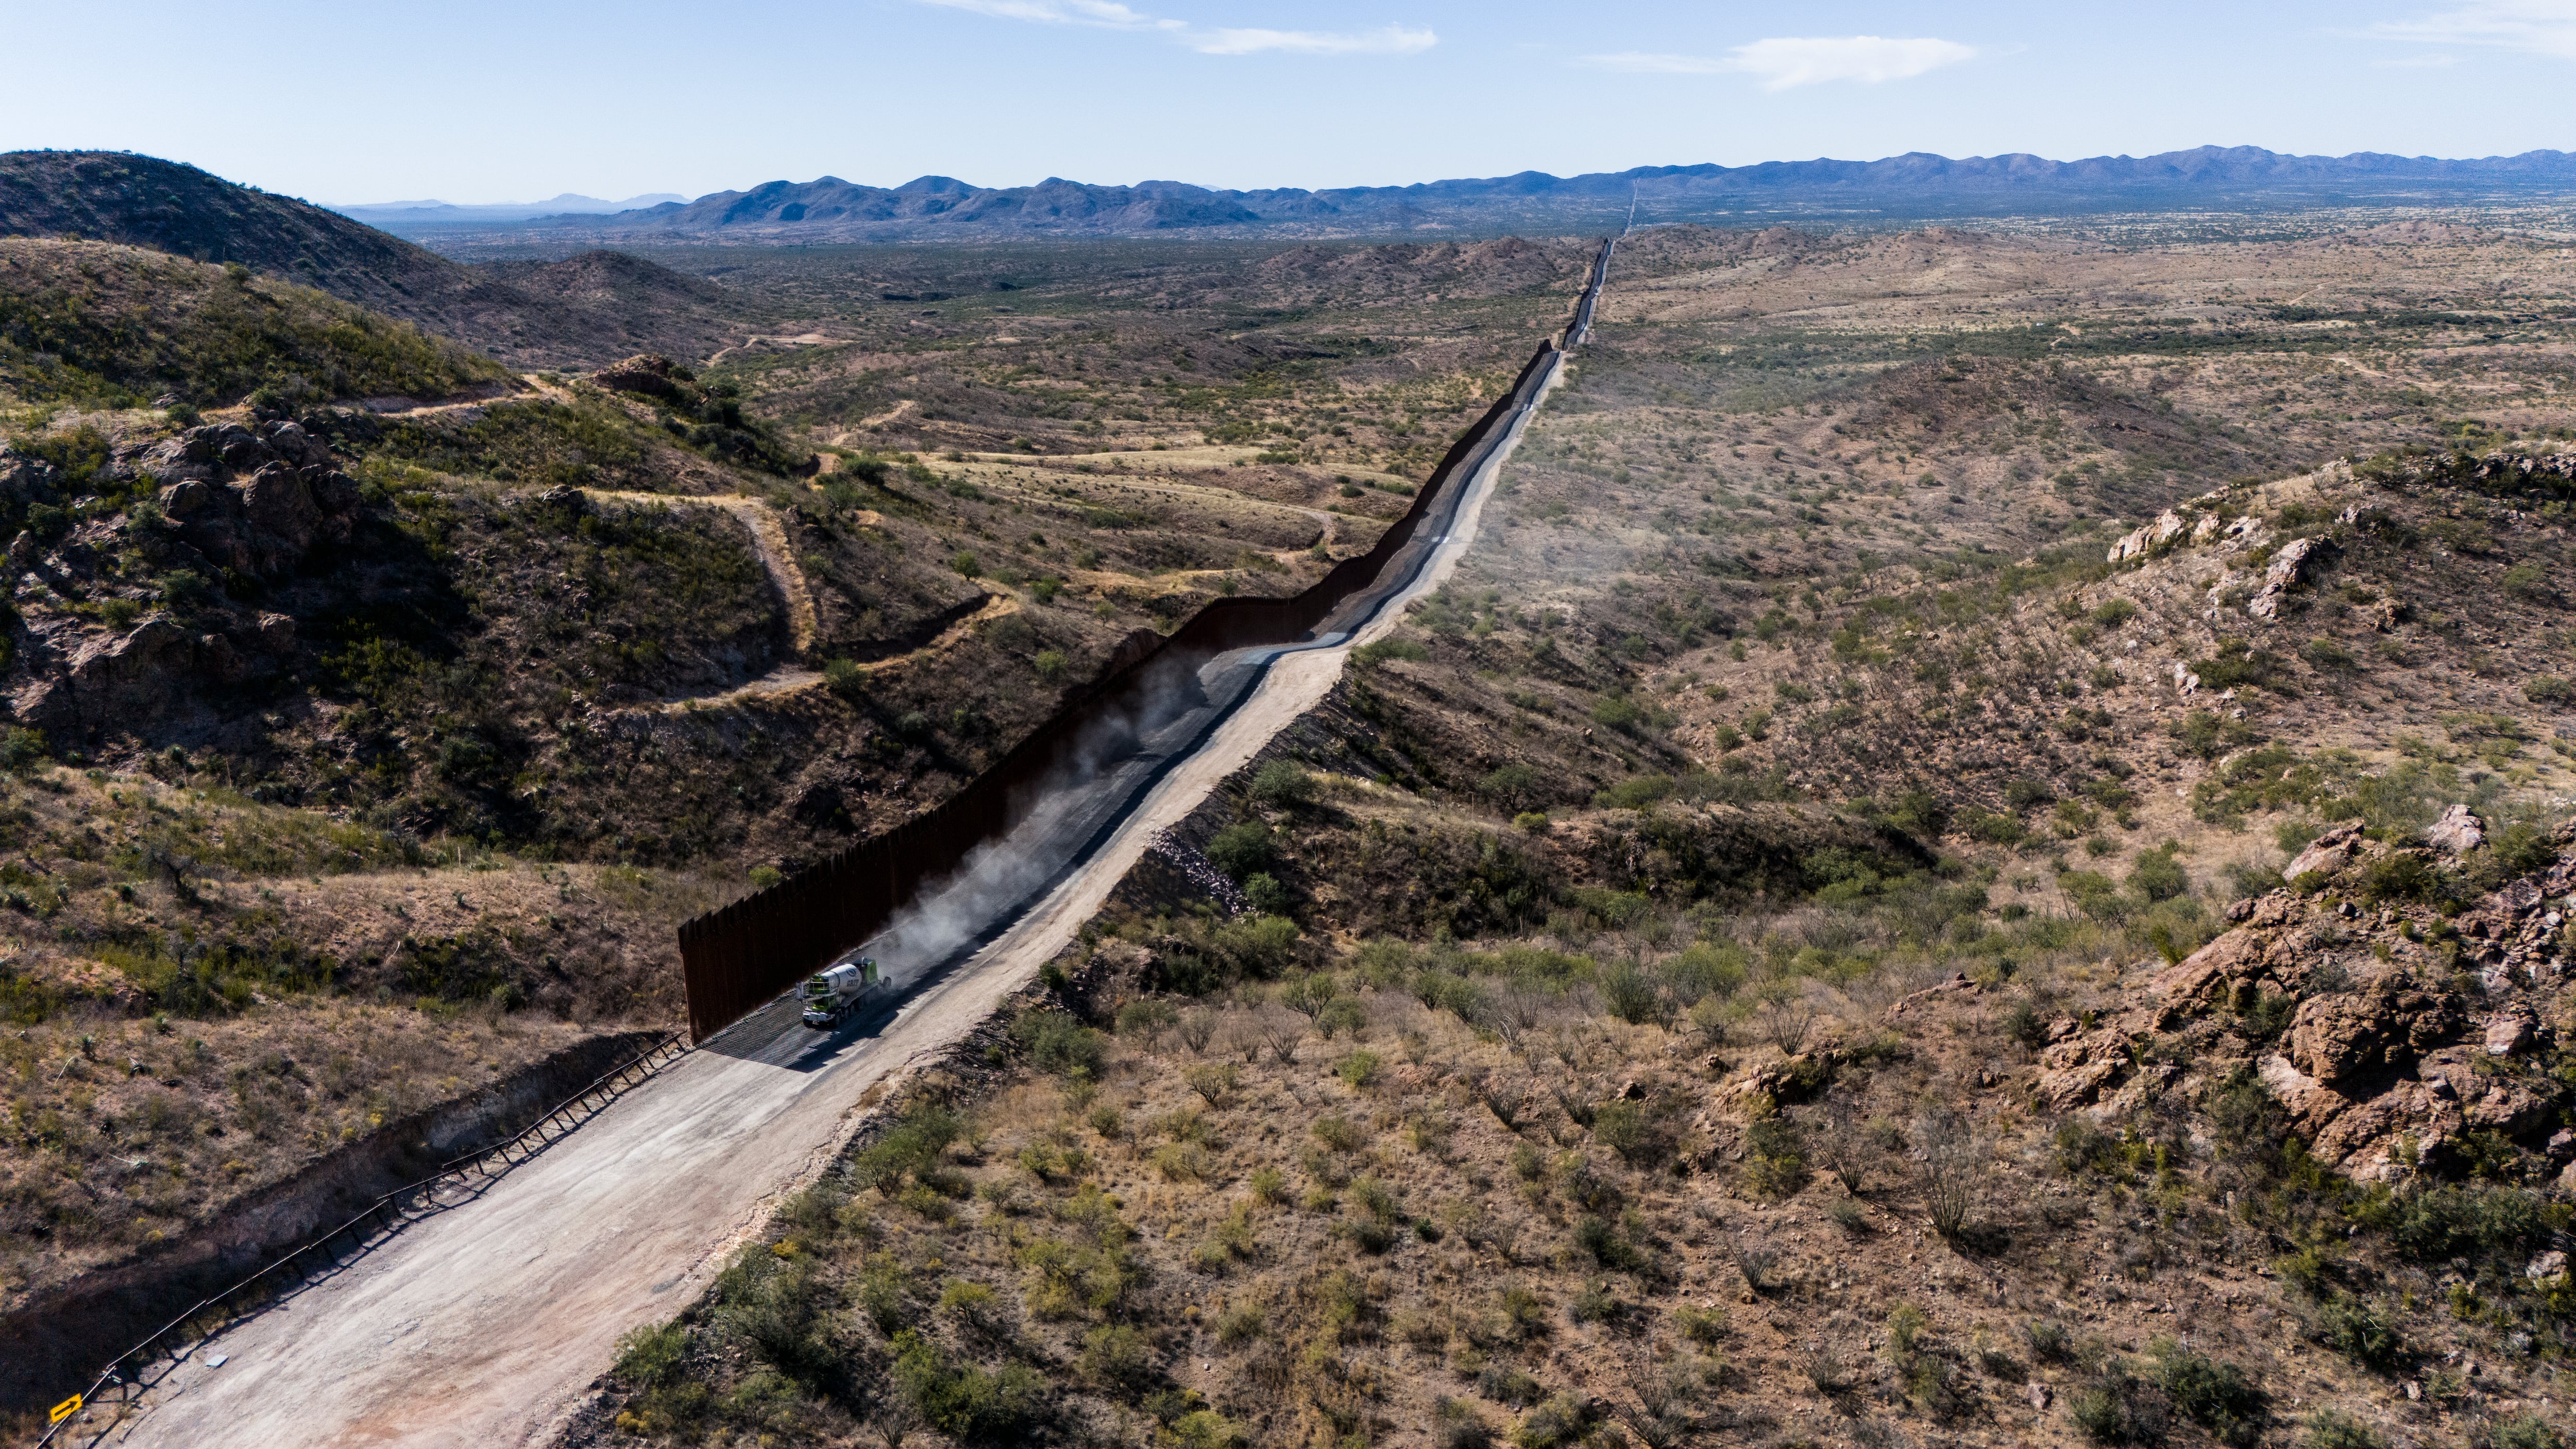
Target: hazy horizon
{"points": [[498, 102]]}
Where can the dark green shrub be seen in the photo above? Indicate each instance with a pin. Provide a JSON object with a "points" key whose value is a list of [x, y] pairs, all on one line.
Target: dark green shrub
{"points": [[1243, 848], [970, 1403], [2527, 1431], [2158, 876], [648, 1356], [2361, 1331], [1057, 1043], [2025, 793], [2219, 1397], [2116, 1408], [1617, 712], [21, 748], [1283, 784], [2332, 1429]]}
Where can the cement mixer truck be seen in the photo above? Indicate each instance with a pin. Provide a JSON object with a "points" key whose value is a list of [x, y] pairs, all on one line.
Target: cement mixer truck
{"points": [[837, 990]]}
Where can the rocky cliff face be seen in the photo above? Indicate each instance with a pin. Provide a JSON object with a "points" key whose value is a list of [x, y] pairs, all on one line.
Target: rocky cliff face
{"points": [[237, 504], [2408, 1022]]}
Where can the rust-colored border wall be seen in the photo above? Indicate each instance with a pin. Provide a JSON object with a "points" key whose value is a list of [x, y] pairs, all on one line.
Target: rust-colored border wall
{"points": [[737, 958]]}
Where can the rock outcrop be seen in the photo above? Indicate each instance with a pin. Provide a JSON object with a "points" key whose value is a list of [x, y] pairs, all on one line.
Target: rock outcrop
{"points": [[234, 500], [2390, 1035]]}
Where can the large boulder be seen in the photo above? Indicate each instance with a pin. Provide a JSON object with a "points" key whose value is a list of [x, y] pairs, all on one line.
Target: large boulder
{"points": [[2459, 831], [2334, 848], [2298, 562], [2347, 1037]]}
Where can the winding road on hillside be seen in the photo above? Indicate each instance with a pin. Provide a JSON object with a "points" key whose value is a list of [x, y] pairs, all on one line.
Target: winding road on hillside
{"points": [[486, 1324]]}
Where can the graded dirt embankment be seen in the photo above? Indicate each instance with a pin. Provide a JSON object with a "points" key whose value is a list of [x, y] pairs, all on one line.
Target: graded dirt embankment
{"points": [[484, 1326]]}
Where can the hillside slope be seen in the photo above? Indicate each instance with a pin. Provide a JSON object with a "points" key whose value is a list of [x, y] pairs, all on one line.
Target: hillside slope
{"points": [[535, 316]]}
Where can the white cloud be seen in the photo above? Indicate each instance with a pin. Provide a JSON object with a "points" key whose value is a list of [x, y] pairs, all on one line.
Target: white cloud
{"points": [[1386, 40], [1101, 13], [1785, 61], [1109, 15], [2538, 27]]}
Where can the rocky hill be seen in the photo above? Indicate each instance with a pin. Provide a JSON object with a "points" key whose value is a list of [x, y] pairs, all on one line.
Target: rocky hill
{"points": [[532, 316]]}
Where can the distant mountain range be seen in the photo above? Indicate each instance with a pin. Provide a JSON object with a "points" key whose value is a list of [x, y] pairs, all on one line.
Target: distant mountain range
{"points": [[1914, 185], [448, 213]]}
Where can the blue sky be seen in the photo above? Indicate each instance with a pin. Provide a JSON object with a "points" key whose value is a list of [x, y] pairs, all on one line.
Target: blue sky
{"points": [[478, 100]]}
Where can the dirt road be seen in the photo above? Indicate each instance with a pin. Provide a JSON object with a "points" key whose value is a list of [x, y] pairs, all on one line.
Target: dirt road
{"points": [[484, 1325]]}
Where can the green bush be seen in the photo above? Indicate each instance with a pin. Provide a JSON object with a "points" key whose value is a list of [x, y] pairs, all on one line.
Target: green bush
{"points": [[22, 748], [1617, 712], [907, 1149], [970, 1403], [2220, 1397], [1370, 656], [1634, 793], [2361, 1331], [2526, 1431], [1283, 784], [1059, 1044], [2548, 689], [647, 1357], [1243, 848], [2333, 1429], [2158, 876]]}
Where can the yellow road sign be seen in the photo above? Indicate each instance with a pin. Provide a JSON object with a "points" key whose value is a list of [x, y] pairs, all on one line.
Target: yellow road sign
{"points": [[65, 1410]]}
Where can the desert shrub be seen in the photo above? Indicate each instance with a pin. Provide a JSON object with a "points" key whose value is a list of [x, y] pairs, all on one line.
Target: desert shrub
{"points": [[1283, 784], [2526, 1431], [2548, 689], [2048, 1341], [2361, 1331], [1213, 1081], [1776, 1155], [968, 1402], [1561, 1421], [1631, 1131], [1632, 995], [2334, 1429], [1243, 848], [1058, 1043], [1147, 1018], [1702, 1326], [2117, 1408], [1617, 712], [1369, 656], [2220, 1397], [2158, 876], [648, 1357], [2236, 664], [910, 1148], [2478, 1221], [2398, 876]]}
